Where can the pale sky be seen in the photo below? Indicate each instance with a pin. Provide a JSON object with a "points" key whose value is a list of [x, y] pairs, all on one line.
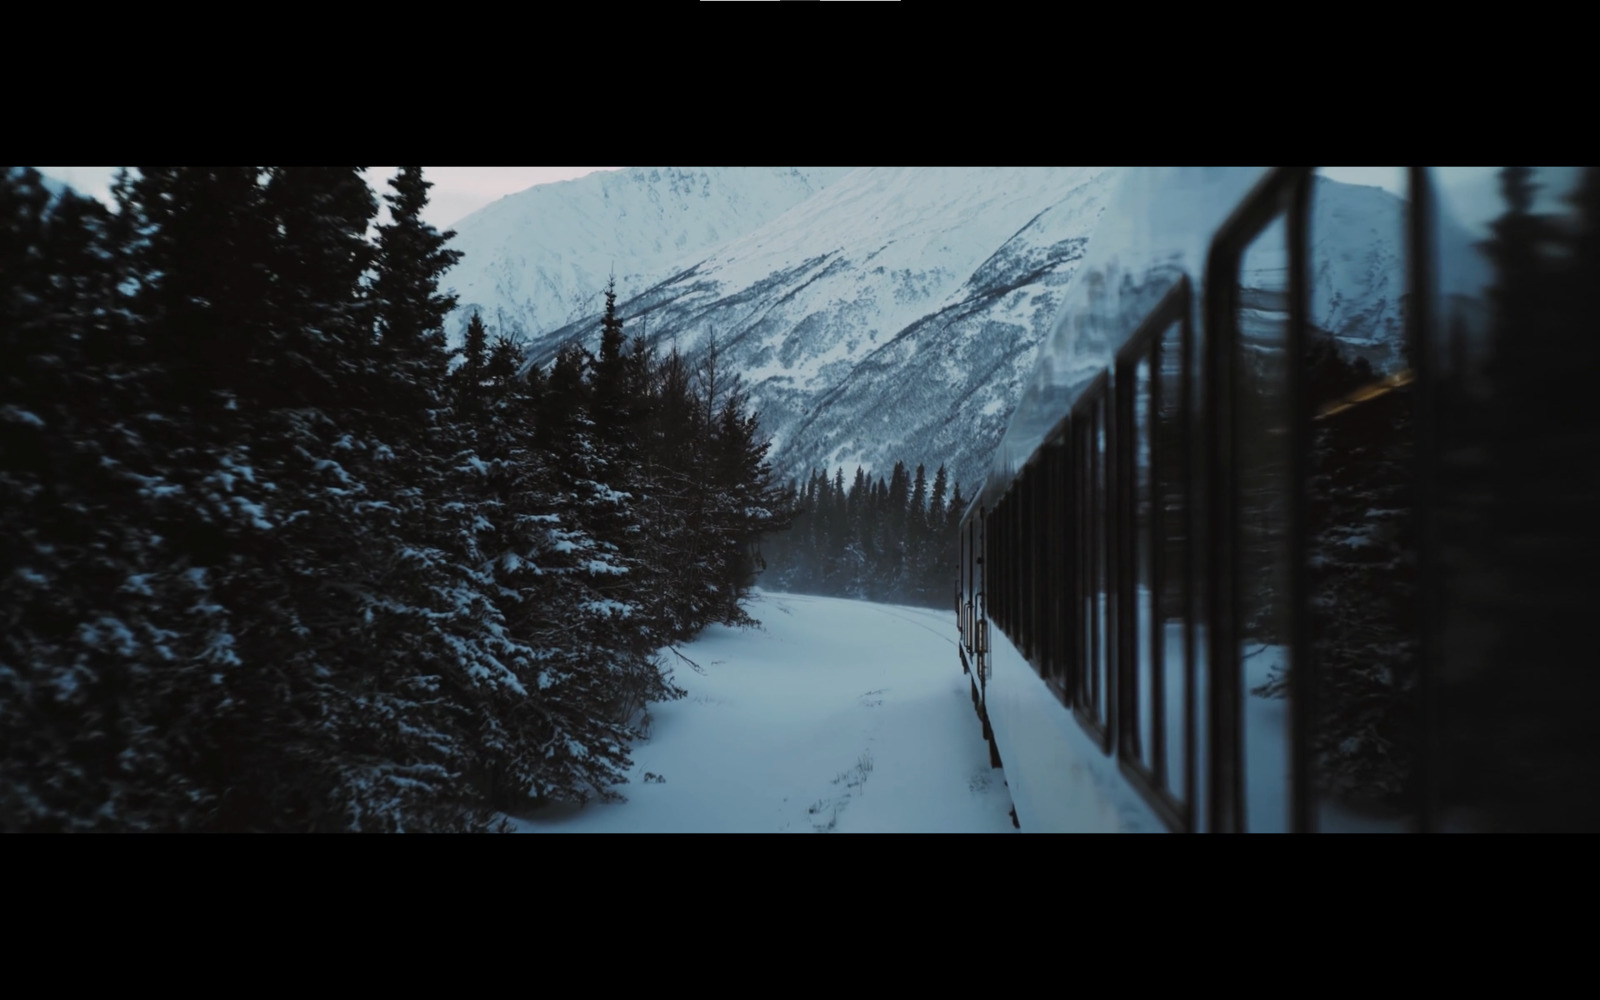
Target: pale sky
{"points": [[459, 191], [456, 193]]}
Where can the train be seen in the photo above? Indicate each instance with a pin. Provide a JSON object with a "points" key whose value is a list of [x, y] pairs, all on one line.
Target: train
{"points": [[1294, 526]]}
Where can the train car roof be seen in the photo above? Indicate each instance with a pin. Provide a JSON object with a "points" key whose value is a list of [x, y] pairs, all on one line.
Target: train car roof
{"points": [[1156, 230]]}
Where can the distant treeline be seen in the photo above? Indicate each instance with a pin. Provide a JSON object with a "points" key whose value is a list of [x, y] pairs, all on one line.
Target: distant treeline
{"points": [[893, 542]]}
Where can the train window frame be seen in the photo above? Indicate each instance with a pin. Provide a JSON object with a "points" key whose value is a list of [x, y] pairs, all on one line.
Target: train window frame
{"points": [[961, 576], [1285, 193], [1006, 564], [1154, 784], [1004, 567], [1092, 699], [991, 564], [1019, 564], [1025, 562], [1057, 561], [1026, 578], [1421, 215], [980, 593], [1215, 794], [970, 564], [1038, 553], [1002, 564]]}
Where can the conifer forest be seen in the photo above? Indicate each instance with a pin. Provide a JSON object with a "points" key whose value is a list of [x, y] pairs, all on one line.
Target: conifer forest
{"points": [[276, 559], [892, 542]]}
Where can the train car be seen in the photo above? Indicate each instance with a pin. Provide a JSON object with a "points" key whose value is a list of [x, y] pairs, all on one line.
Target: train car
{"points": [[1294, 525]]}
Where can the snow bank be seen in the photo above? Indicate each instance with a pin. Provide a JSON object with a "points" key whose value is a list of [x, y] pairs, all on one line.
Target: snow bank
{"points": [[835, 715]]}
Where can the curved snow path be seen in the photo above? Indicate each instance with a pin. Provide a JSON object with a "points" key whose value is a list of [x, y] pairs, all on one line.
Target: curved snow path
{"points": [[835, 715]]}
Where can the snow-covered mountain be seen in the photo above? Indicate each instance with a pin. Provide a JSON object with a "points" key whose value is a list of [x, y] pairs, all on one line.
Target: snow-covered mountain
{"points": [[539, 259], [1358, 269], [895, 312]]}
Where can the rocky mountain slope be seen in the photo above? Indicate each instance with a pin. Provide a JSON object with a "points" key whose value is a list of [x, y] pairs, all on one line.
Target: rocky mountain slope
{"points": [[890, 312], [538, 259]]}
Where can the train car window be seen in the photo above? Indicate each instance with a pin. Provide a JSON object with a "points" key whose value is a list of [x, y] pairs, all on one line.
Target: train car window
{"points": [[996, 550], [1039, 546], [1018, 567], [1263, 424], [1083, 645], [961, 575], [992, 558], [969, 595], [997, 565], [1093, 590], [1014, 578], [981, 595], [1158, 700], [1105, 559], [1057, 552], [1025, 550], [1024, 561], [1008, 559], [1028, 551], [1095, 538], [1014, 564], [1182, 613], [1142, 647], [1255, 306], [1019, 527], [1188, 549], [1360, 526], [974, 604], [975, 582], [1013, 567], [1007, 552], [1082, 563]]}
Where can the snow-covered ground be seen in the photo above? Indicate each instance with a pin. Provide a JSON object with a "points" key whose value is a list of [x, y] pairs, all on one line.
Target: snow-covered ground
{"points": [[835, 715]]}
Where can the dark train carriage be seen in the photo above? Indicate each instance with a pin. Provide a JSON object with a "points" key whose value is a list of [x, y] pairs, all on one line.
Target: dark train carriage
{"points": [[1294, 527]]}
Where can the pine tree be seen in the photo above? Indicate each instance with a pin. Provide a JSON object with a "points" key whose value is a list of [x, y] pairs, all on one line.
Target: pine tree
{"points": [[841, 540], [408, 307], [1540, 767], [203, 266], [469, 377], [1362, 578], [93, 647], [322, 336], [564, 403], [278, 569], [611, 378], [937, 513]]}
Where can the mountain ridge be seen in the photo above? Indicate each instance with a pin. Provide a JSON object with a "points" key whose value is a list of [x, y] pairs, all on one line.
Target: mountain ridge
{"points": [[895, 312], [540, 258]]}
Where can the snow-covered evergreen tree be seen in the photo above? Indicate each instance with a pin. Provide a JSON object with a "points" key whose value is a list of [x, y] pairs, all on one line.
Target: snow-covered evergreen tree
{"points": [[275, 568]]}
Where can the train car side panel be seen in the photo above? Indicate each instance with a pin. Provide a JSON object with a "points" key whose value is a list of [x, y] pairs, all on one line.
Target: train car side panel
{"points": [[1059, 779]]}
